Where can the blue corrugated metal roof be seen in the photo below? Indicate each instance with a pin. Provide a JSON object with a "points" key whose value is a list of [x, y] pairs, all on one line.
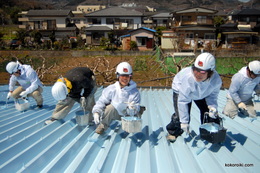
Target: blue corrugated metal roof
{"points": [[27, 145]]}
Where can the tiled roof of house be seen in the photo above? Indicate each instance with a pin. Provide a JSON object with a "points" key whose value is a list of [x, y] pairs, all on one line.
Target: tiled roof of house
{"points": [[145, 28], [250, 11], [161, 15], [98, 28], [115, 11], [195, 10], [44, 13], [27, 145]]}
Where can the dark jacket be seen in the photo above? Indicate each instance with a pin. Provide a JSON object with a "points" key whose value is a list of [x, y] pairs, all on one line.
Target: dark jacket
{"points": [[80, 78]]}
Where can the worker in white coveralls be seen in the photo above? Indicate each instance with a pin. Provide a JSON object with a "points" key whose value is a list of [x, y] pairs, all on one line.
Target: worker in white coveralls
{"points": [[78, 85], [243, 84], [30, 84], [200, 83], [115, 99]]}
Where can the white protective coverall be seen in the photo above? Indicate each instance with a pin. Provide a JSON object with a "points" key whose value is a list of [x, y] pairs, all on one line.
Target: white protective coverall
{"points": [[189, 89], [241, 90], [117, 97], [29, 82]]}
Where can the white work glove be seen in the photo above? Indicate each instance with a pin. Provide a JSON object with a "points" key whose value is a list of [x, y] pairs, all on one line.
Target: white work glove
{"points": [[213, 113], [131, 109], [131, 105], [23, 94], [96, 118], [185, 128], [242, 106], [9, 95]]}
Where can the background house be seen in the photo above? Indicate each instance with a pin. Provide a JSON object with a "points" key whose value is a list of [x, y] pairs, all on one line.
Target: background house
{"points": [[169, 40], [89, 8], [79, 20], [195, 27], [162, 19], [115, 18], [49, 21], [241, 29], [144, 38], [94, 34]]}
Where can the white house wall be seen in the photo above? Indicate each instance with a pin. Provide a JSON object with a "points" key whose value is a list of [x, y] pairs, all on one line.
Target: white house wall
{"points": [[167, 43], [136, 24]]}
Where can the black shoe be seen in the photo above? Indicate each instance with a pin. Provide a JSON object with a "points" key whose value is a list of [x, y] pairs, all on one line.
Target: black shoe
{"points": [[39, 106]]}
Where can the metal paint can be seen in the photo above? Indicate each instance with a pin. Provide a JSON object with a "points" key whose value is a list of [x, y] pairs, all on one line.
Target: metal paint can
{"points": [[82, 118], [131, 124], [256, 102]]}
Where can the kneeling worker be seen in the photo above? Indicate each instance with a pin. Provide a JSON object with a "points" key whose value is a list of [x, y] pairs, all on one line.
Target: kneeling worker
{"points": [[115, 99], [67, 90], [243, 84], [30, 84]]}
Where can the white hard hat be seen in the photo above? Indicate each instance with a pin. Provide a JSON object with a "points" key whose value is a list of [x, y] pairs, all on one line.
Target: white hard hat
{"points": [[124, 68], [59, 91], [205, 61], [12, 67], [254, 66]]}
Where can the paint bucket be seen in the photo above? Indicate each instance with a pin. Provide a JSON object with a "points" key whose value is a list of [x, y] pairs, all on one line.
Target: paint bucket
{"points": [[131, 124], [22, 106], [212, 132], [256, 102], [82, 118]]}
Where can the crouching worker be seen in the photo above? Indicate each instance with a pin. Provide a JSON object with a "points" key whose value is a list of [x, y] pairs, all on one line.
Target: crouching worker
{"points": [[115, 99], [243, 85], [68, 89], [30, 84], [200, 83]]}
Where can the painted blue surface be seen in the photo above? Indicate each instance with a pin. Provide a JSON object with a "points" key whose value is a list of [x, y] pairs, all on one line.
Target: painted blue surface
{"points": [[27, 145]]}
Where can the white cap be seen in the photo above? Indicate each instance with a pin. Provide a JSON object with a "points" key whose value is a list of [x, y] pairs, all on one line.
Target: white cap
{"points": [[254, 66], [205, 61], [59, 91], [124, 68], [12, 67]]}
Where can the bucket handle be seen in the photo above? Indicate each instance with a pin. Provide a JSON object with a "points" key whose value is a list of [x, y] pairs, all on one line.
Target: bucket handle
{"points": [[206, 115]]}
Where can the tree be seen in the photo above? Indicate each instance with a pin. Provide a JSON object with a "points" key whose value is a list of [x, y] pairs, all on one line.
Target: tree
{"points": [[133, 45], [2, 43], [159, 30], [52, 37], [14, 14], [21, 34], [37, 37], [218, 20]]}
